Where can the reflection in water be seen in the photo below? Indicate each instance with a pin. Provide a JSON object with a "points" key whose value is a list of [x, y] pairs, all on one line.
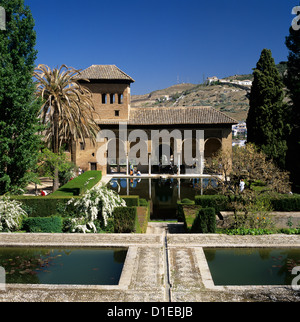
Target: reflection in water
{"points": [[252, 266], [163, 192], [81, 266]]}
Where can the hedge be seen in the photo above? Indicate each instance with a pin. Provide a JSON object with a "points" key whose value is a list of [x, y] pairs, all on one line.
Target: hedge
{"points": [[278, 202], [125, 220], [205, 222], [287, 203], [43, 225], [80, 184], [219, 202], [131, 201], [42, 206]]}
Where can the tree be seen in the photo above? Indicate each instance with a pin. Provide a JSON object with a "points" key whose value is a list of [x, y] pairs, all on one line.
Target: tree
{"points": [[251, 165], [67, 110], [19, 107], [259, 174], [266, 121], [292, 81]]}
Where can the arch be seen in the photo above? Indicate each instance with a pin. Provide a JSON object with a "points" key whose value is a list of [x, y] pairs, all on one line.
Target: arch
{"points": [[104, 98], [116, 156], [212, 146]]}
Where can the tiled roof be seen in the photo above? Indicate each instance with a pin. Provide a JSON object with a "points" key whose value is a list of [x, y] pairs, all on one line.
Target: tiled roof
{"points": [[107, 72], [175, 115]]}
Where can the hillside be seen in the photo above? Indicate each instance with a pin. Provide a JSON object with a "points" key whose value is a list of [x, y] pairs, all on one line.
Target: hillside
{"points": [[231, 99], [228, 98]]}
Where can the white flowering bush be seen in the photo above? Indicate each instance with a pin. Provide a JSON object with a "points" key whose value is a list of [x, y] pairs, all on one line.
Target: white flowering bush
{"points": [[11, 215], [96, 205]]}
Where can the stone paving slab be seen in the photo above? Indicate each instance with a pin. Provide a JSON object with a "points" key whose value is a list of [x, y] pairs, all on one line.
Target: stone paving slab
{"points": [[148, 270]]}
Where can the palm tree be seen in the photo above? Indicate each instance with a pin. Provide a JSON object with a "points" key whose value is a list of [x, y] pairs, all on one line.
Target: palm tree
{"points": [[67, 110]]}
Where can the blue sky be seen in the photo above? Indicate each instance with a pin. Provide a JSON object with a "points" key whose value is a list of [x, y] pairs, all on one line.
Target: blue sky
{"points": [[159, 42]]}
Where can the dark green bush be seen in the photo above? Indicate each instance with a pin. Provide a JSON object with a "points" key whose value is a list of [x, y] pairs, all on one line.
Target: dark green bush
{"points": [[143, 203], [42, 206], [131, 201], [205, 222], [187, 201], [285, 203], [125, 220], [43, 224], [219, 202], [80, 184]]}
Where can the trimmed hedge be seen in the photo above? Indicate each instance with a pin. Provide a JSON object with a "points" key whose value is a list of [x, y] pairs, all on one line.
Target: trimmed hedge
{"points": [[219, 202], [287, 203], [125, 220], [131, 201], [80, 184], [42, 206], [205, 222], [43, 225], [278, 202]]}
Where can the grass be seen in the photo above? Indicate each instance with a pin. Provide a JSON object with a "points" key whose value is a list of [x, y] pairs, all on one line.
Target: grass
{"points": [[79, 185]]}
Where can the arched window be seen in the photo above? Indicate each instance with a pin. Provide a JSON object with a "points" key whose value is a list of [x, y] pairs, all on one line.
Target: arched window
{"points": [[104, 98], [120, 101], [112, 98]]}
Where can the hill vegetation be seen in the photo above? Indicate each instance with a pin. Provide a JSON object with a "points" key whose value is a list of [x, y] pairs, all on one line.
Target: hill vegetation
{"points": [[231, 99]]}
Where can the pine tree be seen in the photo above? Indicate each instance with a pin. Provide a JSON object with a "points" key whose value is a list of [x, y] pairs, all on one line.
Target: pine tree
{"points": [[292, 81], [266, 121], [19, 125]]}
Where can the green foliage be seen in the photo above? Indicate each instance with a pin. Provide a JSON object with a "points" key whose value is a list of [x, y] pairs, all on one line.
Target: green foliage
{"points": [[219, 202], [187, 201], [80, 184], [43, 224], [49, 162], [267, 117], [19, 107], [205, 222], [292, 81], [11, 215], [125, 220], [248, 231], [286, 203], [43, 206], [131, 201]]}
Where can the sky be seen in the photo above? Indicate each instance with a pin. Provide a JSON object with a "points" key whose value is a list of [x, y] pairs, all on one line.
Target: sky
{"points": [[160, 43]]}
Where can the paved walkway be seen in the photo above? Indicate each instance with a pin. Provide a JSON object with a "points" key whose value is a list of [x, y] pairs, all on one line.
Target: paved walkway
{"points": [[160, 267]]}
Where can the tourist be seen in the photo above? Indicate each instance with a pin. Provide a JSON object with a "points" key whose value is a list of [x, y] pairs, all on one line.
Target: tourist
{"points": [[242, 185], [44, 193]]}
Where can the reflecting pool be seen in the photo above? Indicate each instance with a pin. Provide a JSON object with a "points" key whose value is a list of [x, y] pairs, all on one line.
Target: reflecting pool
{"points": [[252, 266], [80, 266]]}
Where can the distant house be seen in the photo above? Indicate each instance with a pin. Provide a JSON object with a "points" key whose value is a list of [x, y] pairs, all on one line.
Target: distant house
{"points": [[239, 129], [246, 82], [212, 80]]}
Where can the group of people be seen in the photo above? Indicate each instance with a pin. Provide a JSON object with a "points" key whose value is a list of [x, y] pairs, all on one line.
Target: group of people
{"points": [[132, 172]]}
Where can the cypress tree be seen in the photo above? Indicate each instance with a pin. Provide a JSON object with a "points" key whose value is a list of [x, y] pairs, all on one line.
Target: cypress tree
{"points": [[266, 121], [19, 125], [292, 81]]}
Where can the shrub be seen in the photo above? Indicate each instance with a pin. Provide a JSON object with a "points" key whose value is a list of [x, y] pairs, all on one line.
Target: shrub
{"points": [[219, 202], [97, 204], [205, 221], [285, 202], [125, 220], [187, 201], [43, 206], [131, 201], [11, 215], [80, 184], [43, 224]]}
